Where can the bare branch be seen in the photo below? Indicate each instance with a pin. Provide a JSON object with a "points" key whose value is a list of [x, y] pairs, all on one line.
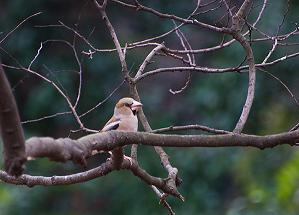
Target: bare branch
{"points": [[228, 8], [140, 7], [174, 92], [162, 197], [215, 48], [104, 100], [172, 171], [114, 38], [294, 128], [148, 59], [35, 57], [21, 23], [100, 171], [59, 91], [11, 129], [283, 84], [270, 52], [82, 148], [31, 181], [236, 33], [46, 117], [191, 61], [169, 32], [190, 127], [251, 83], [241, 14], [260, 13]]}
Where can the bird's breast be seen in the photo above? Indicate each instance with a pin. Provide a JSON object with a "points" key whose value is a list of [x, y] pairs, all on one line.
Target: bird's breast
{"points": [[129, 124]]}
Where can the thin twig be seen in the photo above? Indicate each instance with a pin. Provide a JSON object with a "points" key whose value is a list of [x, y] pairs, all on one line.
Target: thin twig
{"points": [[45, 117], [271, 51], [190, 127], [162, 197], [148, 59], [103, 101], [283, 84], [21, 23]]}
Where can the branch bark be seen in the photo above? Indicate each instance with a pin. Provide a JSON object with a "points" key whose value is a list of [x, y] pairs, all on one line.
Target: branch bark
{"points": [[99, 171], [31, 181], [237, 23], [140, 7], [11, 129], [48, 147], [174, 180]]}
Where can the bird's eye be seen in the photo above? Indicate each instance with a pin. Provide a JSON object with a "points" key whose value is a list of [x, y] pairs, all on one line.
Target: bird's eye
{"points": [[127, 105]]}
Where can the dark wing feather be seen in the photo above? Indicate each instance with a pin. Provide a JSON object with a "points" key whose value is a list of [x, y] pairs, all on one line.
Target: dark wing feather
{"points": [[111, 126]]}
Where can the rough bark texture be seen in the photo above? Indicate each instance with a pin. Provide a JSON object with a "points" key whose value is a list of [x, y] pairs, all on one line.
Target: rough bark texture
{"points": [[11, 130], [82, 148]]}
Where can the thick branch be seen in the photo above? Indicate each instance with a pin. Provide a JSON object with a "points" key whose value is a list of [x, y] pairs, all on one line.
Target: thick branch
{"points": [[31, 181], [61, 150], [100, 171], [113, 139], [47, 147], [11, 130]]}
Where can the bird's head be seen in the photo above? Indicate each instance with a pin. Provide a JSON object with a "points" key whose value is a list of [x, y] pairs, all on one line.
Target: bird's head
{"points": [[127, 106]]}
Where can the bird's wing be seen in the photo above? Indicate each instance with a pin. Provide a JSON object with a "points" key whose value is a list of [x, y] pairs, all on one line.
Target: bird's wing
{"points": [[112, 124]]}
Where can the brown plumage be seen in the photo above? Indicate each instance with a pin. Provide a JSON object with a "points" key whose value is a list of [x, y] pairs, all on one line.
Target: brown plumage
{"points": [[124, 119]]}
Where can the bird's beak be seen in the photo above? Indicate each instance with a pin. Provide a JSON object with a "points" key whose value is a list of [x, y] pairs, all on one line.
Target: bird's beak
{"points": [[136, 105]]}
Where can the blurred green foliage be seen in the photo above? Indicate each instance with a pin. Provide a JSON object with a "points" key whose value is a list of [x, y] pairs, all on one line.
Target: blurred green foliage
{"points": [[228, 181]]}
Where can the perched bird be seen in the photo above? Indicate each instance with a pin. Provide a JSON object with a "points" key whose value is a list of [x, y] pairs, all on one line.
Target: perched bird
{"points": [[123, 119]]}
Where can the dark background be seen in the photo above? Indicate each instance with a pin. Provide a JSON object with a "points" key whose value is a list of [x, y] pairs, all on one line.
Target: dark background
{"points": [[216, 181]]}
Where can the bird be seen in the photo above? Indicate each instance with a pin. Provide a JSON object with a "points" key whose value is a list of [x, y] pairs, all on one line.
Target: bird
{"points": [[124, 119]]}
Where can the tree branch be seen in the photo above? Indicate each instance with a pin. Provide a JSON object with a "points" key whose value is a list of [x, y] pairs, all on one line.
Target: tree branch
{"points": [[46, 146], [114, 37], [31, 181], [237, 23], [190, 127], [148, 59], [117, 154], [172, 171], [100, 171], [11, 129], [140, 7]]}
